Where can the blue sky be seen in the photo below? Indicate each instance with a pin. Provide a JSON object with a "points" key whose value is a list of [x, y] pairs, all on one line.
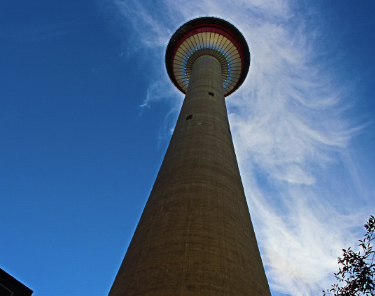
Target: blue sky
{"points": [[87, 111]]}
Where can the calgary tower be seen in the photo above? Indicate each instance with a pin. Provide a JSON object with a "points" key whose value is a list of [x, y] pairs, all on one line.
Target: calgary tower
{"points": [[195, 236]]}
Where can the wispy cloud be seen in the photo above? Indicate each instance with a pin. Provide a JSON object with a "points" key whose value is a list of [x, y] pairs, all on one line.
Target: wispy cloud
{"points": [[37, 32], [289, 129]]}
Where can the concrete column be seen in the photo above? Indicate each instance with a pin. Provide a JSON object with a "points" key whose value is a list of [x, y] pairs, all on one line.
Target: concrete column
{"points": [[195, 236]]}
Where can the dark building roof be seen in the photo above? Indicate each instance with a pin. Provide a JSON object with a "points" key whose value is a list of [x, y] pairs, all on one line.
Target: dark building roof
{"points": [[9, 286]]}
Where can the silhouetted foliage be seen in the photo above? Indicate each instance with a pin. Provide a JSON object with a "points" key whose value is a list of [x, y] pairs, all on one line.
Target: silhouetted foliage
{"points": [[357, 269]]}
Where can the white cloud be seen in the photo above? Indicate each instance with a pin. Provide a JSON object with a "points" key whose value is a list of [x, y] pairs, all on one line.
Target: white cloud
{"points": [[288, 129]]}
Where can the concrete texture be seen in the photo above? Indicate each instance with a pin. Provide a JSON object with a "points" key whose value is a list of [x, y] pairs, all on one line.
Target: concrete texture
{"points": [[195, 236]]}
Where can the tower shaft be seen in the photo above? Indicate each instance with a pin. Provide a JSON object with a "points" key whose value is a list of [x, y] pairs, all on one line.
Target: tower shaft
{"points": [[195, 236]]}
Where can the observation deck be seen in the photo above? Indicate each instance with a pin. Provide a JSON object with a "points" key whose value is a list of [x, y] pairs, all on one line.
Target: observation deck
{"points": [[208, 36]]}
